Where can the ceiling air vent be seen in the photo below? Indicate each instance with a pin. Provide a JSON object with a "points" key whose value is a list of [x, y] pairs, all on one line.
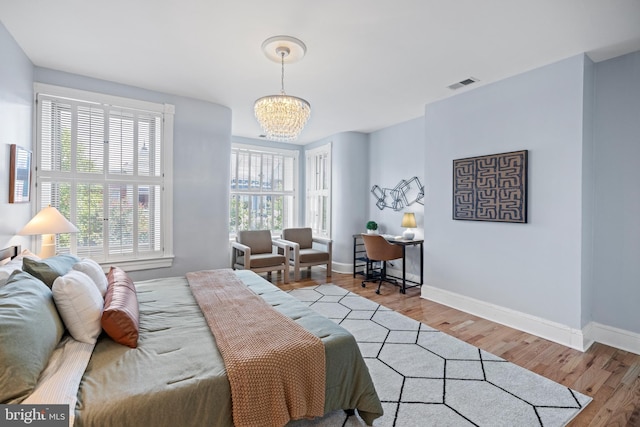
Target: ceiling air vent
{"points": [[463, 83]]}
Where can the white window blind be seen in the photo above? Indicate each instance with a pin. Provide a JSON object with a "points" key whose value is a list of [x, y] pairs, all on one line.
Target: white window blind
{"points": [[102, 166], [318, 180], [262, 188]]}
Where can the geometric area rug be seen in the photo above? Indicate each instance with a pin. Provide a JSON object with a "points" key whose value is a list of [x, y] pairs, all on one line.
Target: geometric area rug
{"points": [[425, 377]]}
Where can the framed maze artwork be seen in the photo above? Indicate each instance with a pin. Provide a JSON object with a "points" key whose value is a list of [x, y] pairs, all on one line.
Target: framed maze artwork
{"points": [[491, 188]]}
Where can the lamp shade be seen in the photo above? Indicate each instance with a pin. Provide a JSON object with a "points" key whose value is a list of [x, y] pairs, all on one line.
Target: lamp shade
{"points": [[48, 221], [409, 220]]}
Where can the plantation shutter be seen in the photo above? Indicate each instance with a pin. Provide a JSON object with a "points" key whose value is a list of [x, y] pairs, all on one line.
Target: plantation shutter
{"points": [[318, 207], [262, 189], [101, 166]]}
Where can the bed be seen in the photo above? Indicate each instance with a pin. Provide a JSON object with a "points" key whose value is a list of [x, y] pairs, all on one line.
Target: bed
{"points": [[176, 374]]}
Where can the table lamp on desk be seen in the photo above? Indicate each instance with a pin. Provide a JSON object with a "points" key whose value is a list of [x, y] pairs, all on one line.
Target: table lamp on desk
{"points": [[48, 222], [408, 221]]}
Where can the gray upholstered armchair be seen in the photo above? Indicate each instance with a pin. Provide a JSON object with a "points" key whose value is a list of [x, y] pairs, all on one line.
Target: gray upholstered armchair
{"points": [[253, 250], [306, 250]]}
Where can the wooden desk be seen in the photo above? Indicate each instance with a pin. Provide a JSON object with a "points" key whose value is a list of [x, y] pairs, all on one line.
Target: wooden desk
{"points": [[362, 265]]}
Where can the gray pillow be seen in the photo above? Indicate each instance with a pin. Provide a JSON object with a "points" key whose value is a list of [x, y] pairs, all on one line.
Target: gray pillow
{"points": [[30, 329], [49, 269]]}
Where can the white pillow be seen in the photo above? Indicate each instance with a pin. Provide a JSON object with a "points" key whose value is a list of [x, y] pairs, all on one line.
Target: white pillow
{"points": [[93, 270], [80, 305]]}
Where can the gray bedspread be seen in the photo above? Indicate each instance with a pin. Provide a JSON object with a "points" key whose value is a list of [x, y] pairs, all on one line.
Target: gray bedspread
{"points": [[176, 376]]}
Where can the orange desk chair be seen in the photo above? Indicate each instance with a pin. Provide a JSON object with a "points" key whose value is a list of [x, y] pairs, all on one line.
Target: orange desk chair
{"points": [[378, 249]]}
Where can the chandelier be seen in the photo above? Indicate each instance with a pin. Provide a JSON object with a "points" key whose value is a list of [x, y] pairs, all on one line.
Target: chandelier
{"points": [[282, 117]]}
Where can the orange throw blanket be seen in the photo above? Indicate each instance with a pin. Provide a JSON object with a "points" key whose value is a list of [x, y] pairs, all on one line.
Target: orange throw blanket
{"points": [[276, 368]]}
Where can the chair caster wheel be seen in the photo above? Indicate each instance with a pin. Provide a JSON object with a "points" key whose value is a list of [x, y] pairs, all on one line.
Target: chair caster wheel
{"points": [[378, 291], [363, 285]]}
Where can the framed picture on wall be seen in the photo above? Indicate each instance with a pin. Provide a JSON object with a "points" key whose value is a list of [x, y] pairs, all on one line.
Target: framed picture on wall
{"points": [[19, 175], [491, 188]]}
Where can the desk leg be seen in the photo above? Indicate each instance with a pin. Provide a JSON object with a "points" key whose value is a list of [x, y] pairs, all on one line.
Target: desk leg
{"points": [[354, 257], [421, 263], [404, 270]]}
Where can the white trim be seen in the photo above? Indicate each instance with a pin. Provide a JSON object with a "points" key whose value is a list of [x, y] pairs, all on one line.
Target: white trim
{"points": [[347, 268], [614, 337], [167, 193], [103, 98], [562, 334], [397, 273], [587, 336], [342, 267], [553, 331], [265, 149]]}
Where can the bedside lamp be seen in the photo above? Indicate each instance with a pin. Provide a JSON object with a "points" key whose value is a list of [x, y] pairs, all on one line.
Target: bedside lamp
{"points": [[48, 222], [408, 221]]}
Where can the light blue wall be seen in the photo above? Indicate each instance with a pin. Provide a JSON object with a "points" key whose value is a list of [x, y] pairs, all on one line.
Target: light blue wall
{"points": [[201, 152], [16, 101], [617, 195], [533, 268], [397, 153]]}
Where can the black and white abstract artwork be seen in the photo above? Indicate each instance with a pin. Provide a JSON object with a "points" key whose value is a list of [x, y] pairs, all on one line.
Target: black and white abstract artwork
{"points": [[406, 193], [491, 188]]}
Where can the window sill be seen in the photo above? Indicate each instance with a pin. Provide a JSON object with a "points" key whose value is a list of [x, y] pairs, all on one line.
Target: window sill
{"points": [[139, 264]]}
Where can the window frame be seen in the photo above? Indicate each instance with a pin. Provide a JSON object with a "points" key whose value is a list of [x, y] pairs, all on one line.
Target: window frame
{"points": [[167, 111], [294, 193], [310, 169]]}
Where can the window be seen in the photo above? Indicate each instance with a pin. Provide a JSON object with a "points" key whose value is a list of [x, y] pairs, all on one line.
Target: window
{"points": [[318, 166], [102, 161], [263, 189]]}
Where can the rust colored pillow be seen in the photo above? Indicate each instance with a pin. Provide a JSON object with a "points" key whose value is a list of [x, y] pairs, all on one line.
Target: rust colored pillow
{"points": [[120, 318]]}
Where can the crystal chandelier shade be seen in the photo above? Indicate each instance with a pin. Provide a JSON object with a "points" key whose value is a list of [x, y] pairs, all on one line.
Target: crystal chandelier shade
{"points": [[282, 117]]}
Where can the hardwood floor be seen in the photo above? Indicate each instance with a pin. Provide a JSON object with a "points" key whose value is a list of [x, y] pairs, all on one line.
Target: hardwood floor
{"points": [[610, 376]]}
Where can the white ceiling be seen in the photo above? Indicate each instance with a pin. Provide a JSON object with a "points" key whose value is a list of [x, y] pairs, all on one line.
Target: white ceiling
{"points": [[369, 63]]}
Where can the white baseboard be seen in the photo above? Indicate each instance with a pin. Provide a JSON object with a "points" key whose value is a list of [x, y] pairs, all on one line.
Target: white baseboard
{"points": [[341, 267], [553, 331], [398, 273], [614, 337], [562, 334]]}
